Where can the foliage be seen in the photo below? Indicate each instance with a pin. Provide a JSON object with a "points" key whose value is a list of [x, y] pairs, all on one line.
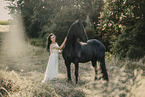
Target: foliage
{"points": [[35, 14], [70, 12], [119, 24], [91, 32], [122, 28], [45, 16]]}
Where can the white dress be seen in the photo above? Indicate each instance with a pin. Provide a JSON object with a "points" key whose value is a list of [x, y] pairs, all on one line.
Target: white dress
{"points": [[52, 66]]}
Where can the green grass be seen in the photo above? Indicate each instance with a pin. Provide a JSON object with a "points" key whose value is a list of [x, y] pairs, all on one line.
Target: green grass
{"points": [[38, 42], [4, 22], [21, 77]]}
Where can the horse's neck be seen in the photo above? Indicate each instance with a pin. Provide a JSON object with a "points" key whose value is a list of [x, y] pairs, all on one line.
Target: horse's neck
{"points": [[71, 40]]}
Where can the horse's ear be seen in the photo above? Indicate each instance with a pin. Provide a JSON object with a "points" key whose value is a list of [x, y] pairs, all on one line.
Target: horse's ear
{"points": [[77, 20]]}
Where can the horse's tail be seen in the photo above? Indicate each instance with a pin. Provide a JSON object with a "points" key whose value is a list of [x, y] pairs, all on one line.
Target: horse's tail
{"points": [[104, 70]]}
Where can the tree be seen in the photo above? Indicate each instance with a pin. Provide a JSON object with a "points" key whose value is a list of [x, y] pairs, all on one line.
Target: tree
{"points": [[122, 27], [35, 14], [42, 17], [71, 10]]}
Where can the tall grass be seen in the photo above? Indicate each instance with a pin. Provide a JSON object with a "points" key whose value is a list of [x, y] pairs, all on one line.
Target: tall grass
{"points": [[21, 77]]}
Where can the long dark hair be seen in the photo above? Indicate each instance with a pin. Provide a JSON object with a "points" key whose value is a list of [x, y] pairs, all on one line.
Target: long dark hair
{"points": [[48, 42]]}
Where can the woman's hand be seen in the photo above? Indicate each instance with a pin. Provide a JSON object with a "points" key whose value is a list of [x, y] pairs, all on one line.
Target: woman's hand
{"points": [[60, 51]]}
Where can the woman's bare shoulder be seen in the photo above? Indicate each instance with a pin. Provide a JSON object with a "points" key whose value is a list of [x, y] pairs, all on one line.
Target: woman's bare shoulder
{"points": [[54, 45]]}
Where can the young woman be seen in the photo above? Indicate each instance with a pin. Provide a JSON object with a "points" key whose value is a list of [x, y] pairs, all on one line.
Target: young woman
{"points": [[52, 66]]}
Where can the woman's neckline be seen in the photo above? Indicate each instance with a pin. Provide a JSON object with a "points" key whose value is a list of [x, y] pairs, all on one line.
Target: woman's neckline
{"points": [[53, 42]]}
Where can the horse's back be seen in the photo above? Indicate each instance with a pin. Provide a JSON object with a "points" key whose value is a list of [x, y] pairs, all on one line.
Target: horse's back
{"points": [[93, 48], [96, 43]]}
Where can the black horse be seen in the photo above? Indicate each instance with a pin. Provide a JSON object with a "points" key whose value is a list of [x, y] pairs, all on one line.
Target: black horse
{"points": [[77, 52]]}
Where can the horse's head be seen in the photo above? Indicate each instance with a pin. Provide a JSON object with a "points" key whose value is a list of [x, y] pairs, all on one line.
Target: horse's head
{"points": [[77, 30]]}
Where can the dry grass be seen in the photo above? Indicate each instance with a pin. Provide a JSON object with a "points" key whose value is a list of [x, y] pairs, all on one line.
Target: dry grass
{"points": [[4, 28], [21, 75], [26, 72]]}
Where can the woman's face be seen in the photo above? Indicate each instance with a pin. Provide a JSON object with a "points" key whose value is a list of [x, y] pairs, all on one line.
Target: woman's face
{"points": [[52, 38]]}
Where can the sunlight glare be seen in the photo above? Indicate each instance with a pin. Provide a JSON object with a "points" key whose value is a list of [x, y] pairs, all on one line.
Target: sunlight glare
{"points": [[14, 44]]}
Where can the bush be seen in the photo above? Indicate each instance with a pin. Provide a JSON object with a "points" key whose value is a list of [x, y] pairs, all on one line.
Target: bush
{"points": [[90, 32], [38, 42], [130, 44]]}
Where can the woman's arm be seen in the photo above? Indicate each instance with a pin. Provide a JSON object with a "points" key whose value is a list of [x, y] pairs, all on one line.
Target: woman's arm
{"points": [[62, 44]]}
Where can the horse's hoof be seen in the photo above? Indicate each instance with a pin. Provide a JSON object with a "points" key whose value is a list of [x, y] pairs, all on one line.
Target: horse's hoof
{"points": [[95, 78], [106, 79], [69, 80]]}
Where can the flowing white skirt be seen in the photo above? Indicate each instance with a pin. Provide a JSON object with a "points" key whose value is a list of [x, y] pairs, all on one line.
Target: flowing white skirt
{"points": [[52, 68]]}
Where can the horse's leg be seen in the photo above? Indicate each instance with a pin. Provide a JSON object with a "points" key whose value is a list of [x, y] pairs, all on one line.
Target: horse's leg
{"points": [[68, 70], [76, 71], [99, 70], [95, 68], [104, 70]]}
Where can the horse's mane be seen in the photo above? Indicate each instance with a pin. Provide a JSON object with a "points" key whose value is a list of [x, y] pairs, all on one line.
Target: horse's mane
{"points": [[71, 26]]}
